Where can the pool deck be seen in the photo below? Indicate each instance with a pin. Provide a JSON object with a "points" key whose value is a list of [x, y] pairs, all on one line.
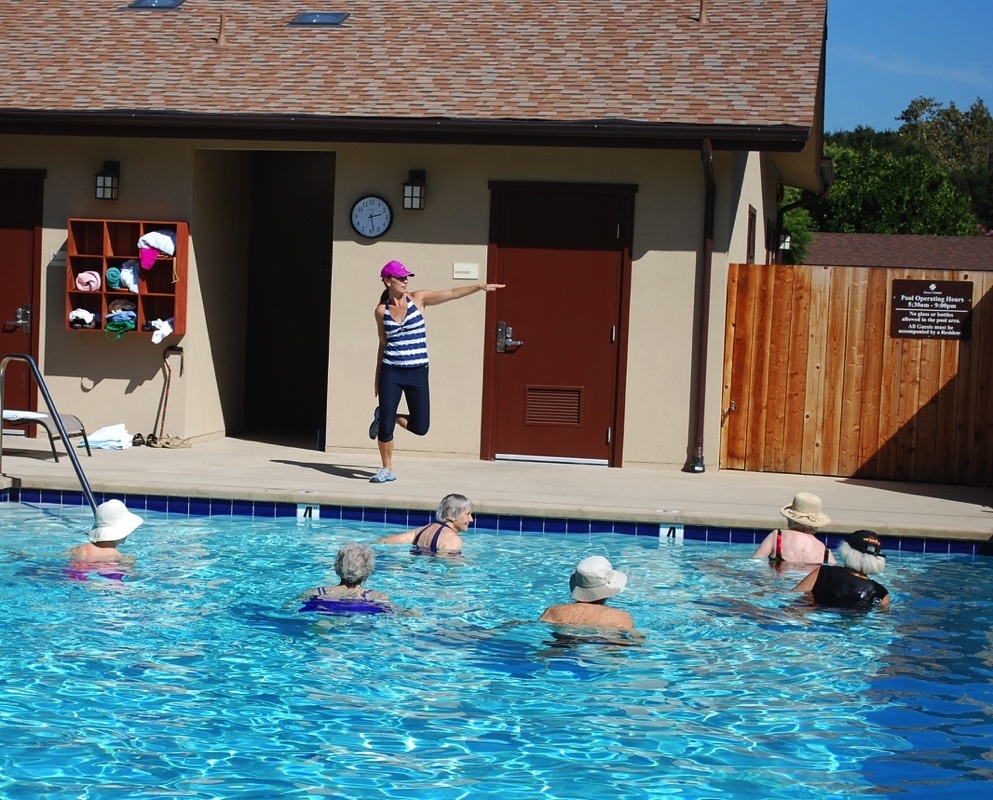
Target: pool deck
{"points": [[245, 469]]}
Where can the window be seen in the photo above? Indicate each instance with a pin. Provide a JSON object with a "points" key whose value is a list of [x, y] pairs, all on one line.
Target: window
{"points": [[752, 217]]}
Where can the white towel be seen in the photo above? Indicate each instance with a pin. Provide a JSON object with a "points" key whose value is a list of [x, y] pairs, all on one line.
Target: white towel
{"points": [[16, 416], [111, 437], [164, 241]]}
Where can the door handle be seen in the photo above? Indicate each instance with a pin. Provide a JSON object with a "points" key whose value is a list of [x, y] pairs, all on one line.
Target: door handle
{"points": [[23, 318], [505, 338]]}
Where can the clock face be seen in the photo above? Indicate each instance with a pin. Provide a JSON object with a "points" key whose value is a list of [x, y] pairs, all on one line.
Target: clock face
{"points": [[371, 216]]}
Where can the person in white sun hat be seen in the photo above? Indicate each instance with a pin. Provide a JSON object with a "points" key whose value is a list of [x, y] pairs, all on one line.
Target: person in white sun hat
{"points": [[798, 543], [592, 582], [114, 523]]}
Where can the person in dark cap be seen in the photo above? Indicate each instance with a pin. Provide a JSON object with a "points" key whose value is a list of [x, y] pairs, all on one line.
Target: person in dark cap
{"points": [[850, 586]]}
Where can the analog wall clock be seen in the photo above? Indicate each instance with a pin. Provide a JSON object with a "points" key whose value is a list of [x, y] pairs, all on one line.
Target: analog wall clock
{"points": [[371, 216]]}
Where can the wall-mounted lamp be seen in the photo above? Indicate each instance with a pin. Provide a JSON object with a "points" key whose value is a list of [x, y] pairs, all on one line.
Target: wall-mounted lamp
{"points": [[415, 190], [108, 180]]}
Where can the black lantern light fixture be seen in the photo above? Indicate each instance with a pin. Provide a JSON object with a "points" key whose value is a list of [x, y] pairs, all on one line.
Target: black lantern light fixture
{"points": [[415, 190], [108, 180]]}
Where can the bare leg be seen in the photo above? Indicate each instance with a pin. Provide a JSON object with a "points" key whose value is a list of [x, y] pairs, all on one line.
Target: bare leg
{"points": [[386, 454], [386, 448]]}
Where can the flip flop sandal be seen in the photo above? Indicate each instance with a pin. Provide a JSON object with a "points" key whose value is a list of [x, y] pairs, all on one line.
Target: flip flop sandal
{"points": [[138, 440], [153, 440], [175, 443]]}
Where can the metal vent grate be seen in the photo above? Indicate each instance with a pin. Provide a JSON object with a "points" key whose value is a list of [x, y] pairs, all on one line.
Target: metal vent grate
{"points": [[547, 405]]}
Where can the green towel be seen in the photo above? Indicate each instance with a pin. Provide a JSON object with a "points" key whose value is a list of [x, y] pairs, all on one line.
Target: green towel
{"points": [[113, 278]]}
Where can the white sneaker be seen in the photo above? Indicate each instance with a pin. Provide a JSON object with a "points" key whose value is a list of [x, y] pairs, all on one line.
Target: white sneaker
{"points": [[383, 476]]}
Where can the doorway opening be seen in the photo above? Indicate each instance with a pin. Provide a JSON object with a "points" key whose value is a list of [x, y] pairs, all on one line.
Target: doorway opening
{"points": [[289, 297]]}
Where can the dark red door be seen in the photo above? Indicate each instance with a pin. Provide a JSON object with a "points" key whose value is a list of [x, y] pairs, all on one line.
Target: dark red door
{"points": [[555, 359], [20, 256]]}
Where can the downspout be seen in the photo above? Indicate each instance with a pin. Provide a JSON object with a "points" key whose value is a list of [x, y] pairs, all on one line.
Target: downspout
{"points": [[703, 329]]}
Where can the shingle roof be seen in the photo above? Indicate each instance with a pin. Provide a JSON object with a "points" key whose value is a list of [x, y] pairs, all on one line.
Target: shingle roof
{"points": [[918, 252], [637, 61]]}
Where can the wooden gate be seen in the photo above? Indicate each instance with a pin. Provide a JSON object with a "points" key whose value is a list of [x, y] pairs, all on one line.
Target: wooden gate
{"points": [[814, 383]]}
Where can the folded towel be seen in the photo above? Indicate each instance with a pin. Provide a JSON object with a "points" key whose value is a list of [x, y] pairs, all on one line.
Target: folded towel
{"points": [[113, 278], [88, 281], [160, 240], [121, 304], [16, 416]]}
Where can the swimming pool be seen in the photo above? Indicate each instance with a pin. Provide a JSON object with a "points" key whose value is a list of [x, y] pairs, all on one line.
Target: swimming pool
{"points": [[196, 678]]}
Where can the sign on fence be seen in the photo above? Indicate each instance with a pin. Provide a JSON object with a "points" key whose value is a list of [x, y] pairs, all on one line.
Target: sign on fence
{"points": [[930, 309]]}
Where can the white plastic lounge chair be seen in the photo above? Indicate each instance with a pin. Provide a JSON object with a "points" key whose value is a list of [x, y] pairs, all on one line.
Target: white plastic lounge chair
{"points": [[72, 424]]}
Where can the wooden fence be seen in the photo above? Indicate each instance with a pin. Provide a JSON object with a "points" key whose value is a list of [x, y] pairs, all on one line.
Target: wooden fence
{"points": [[814, 383]]}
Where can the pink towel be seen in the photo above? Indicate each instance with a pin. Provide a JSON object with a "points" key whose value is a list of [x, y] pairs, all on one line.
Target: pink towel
{"points": [[148, 256], [88, 281]]}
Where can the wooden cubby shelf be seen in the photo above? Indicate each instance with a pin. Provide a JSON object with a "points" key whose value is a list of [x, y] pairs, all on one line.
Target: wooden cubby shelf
{"points": [[98, 244]]}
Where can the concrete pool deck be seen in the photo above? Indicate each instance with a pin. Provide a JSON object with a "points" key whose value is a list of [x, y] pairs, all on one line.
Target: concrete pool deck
{"points": [[247, 469]]}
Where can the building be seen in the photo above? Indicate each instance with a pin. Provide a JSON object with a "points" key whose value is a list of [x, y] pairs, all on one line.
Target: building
{"points": [[607, 161]]}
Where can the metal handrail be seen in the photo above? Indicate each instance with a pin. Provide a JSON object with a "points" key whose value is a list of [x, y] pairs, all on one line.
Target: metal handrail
{"points": [[54, 414]]}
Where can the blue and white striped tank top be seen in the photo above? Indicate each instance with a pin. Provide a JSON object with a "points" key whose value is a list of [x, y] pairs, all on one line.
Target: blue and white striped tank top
{"points": [[407, 341]]}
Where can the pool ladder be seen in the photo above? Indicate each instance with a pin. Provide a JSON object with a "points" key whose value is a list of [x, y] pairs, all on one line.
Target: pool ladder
{"points": [[54, 414]]}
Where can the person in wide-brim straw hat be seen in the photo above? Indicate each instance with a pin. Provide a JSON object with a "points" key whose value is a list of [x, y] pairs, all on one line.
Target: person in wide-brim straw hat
{"points": [[591, 583], [798, 543], [114, 523]]}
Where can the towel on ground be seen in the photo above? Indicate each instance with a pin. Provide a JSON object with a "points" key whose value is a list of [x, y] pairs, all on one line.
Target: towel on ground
{"points": [[110, 437]]}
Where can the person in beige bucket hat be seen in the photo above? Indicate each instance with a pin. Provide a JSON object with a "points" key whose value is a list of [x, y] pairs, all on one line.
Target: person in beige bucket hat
{"points": [[798, 544], [591, 583]]}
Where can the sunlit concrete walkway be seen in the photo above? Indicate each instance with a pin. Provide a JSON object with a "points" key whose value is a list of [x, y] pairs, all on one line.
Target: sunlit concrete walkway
{"points": [[252, 470]]}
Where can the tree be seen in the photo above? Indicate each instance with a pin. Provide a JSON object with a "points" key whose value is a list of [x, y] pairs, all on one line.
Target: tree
{"points": [[960, 142], [877, 192], [798, 226]]}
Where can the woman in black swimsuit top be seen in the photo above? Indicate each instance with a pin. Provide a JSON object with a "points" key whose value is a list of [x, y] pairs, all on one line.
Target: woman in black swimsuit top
{"points": [[454, 515]]}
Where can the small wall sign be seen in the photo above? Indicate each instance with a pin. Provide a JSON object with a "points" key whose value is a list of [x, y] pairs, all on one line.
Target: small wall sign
{"points": [[930, 309]]}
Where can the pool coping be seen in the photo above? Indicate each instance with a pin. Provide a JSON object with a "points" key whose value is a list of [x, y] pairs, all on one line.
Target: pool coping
{"points": [[714, 532]]}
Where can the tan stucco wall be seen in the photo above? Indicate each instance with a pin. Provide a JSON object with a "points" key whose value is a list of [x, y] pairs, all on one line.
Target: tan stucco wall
{"points": [[206, 183]]}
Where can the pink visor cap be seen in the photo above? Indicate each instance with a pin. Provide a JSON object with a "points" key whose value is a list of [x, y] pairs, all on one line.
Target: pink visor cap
{"points": [[395, 270]]}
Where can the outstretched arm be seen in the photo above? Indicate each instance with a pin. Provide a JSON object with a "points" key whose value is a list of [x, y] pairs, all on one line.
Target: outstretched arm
{"points": [[428, 297], [807, 583]]}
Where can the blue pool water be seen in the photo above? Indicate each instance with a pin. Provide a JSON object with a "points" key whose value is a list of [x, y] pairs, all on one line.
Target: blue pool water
{"points": [[194, 677]]}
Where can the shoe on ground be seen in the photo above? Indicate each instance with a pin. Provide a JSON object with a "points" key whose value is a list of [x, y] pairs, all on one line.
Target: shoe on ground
{"points": [[374, 428], [383, 476]]}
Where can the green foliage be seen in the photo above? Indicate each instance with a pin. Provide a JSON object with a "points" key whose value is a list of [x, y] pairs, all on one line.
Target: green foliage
{"points": [[960, 142], [876, 191], [798, 225]]}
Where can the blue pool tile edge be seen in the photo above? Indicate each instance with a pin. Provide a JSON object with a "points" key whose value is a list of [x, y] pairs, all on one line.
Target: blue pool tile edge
{"points": [[501, 523]]}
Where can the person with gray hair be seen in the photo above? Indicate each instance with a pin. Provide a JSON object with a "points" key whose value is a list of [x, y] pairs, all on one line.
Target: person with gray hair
{"points": [[354, 564], [850, 586], [442, 537]]}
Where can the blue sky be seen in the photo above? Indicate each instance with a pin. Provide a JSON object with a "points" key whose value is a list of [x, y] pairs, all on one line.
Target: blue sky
{"points": [[881, 54]]}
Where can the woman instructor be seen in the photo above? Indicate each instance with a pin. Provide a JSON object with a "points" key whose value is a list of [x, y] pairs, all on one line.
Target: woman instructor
{"points": [[402, 358]]}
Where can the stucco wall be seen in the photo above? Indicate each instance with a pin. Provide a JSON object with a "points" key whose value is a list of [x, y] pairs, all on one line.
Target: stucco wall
{"points": [[206, 183]]}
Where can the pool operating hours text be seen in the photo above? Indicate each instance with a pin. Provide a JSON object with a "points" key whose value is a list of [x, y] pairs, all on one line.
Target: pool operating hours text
{"points": [[930, 309]]}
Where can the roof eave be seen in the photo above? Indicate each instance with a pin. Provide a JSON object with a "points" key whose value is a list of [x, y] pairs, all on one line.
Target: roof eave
{"points": [[592, 133]]}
